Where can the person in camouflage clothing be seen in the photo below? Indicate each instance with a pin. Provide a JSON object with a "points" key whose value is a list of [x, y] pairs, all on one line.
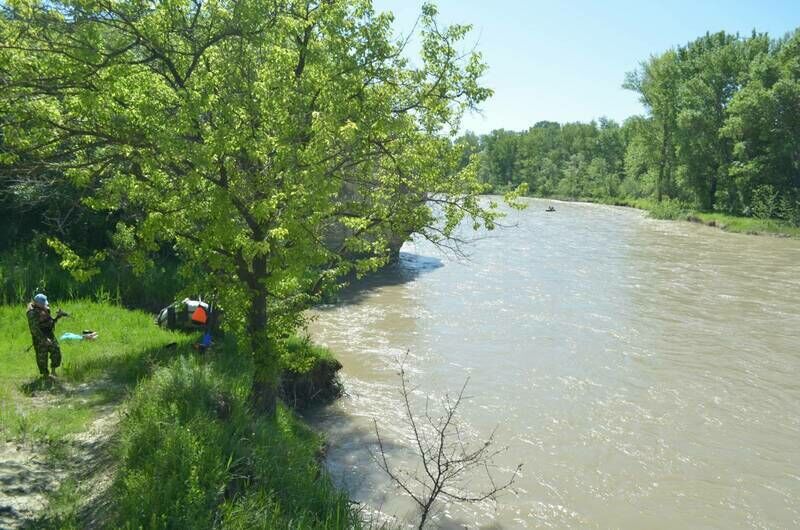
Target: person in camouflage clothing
{"points": [[42, 326]]}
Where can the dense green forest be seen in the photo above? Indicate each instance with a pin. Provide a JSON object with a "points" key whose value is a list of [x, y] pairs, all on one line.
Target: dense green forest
{"points": [[721, 133]]}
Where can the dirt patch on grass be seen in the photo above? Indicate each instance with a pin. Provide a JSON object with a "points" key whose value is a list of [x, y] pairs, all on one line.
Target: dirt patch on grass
{"points": [[31, 473], [26, 477]]}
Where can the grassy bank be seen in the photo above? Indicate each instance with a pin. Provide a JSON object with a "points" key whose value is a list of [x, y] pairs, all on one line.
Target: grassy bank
{"points": [[674, 210], [93, 373], [745, 225], [188, 452]]}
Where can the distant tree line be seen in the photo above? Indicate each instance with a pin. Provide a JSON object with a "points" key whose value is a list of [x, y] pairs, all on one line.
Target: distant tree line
{"points": [[721, 133]]}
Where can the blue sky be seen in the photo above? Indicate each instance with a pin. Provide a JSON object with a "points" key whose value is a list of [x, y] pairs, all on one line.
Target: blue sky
{"points": [[565, 61]]}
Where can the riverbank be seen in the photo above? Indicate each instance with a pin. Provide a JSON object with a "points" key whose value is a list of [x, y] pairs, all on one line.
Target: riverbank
{"points": [[674, 211], [139, 430]]}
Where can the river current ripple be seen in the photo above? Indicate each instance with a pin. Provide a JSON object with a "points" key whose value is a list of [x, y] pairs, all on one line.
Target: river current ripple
{"points": [[647, 373]]}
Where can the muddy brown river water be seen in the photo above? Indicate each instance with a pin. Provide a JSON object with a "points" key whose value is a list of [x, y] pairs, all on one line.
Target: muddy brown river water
{"points": [[647, 373]]}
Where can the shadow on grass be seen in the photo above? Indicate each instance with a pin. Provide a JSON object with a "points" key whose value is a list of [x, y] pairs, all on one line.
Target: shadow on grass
{"points": [[43, 384], [126, 370], [104, 374]]}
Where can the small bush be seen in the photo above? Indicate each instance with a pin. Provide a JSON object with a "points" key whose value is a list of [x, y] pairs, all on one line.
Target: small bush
{"points": [[668, 209], [789, 209], [764, 203]]}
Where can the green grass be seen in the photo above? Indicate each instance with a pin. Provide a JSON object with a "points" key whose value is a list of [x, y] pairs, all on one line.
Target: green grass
{"points": [[93, 373], [190, 453], [62, 511], [301, 354], [746, 225], [193, 455]]}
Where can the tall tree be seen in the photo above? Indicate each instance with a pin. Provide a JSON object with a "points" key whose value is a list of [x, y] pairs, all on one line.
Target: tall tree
{"points": [[657, 82], [499, 157], [276, 144], [711, 68], [764, 121]]}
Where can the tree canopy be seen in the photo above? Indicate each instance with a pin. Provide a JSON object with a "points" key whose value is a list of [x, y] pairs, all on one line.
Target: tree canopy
{"points": [[720, 132], [275, 146]]}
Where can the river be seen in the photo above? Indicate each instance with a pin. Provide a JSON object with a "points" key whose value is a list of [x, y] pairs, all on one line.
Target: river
{"points": [[646, 373]]}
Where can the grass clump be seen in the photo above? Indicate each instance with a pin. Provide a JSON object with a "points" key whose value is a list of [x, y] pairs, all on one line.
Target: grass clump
{"points": [[193, 455], [668, 209], [309, 373]]}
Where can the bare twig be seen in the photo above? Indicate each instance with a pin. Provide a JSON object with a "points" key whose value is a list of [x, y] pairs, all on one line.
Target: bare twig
{"points": [[446, 457]]}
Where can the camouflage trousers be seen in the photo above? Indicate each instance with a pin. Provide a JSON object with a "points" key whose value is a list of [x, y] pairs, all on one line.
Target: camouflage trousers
{"points": [[43, 349]]}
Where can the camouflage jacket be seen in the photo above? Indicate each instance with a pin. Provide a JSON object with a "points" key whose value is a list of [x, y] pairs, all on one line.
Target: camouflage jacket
{"points": [[41, 323]]}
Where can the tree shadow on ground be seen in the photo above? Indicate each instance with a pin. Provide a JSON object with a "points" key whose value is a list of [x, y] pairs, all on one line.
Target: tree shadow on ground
{"points": [[127, 370], [43, 384], [110, 376]]}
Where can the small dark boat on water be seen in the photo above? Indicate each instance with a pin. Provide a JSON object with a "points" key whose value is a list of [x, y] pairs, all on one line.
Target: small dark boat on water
{"points": [[550, 209]]}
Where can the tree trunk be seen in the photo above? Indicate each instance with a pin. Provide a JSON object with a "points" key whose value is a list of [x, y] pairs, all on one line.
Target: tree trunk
{"points": [[663, 165], [266, 372], [264, 393], [712, 192]]}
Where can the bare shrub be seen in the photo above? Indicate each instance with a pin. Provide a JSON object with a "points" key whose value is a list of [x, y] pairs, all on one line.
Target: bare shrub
{"points": [[447, 454]]}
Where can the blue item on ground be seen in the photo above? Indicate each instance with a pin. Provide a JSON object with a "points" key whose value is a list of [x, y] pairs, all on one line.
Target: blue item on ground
{"points": [[71, 336]]}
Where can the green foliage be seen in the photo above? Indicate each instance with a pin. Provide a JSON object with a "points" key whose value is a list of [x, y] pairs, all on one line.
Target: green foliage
{"points": [[300, 354], [573, 160], [721, 124], [275, 147], [669, 209], [29, 268], [193, 456], [764, 203], [82, 269], [789, 209]]}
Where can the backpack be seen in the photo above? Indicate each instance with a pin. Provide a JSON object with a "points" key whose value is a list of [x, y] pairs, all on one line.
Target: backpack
{"points": [[189, 315]]}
